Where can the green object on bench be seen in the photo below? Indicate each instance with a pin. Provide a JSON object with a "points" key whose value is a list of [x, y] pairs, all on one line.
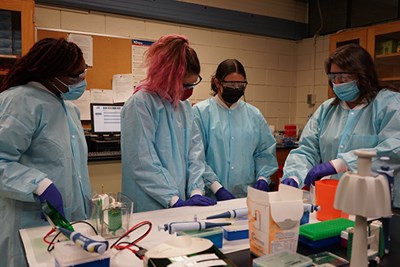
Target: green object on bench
{"points": [[325, 229]]}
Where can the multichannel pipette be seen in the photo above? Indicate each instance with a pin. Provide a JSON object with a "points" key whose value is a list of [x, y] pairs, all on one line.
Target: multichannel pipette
{"points": [[236, 213], [189, 226], [84, 242]]}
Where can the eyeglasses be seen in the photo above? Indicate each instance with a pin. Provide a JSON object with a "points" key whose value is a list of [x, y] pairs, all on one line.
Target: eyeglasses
{"points": [[340, 76], [191, 85], [235, 85], [79, 77]]}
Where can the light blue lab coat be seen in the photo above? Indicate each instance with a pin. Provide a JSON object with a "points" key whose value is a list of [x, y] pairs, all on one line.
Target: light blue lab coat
{"points": [[336, 131], [238, 143], [162, 153], [39, 138]]}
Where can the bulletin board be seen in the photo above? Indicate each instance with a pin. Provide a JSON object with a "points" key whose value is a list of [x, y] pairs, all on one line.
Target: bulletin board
{"points": [[111, 55]]}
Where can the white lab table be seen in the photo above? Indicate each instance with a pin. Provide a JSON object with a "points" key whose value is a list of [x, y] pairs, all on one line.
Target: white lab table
{"points": [[36, 249]]}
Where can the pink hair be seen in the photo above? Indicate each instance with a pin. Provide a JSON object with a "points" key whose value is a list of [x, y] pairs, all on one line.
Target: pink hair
{"points": [[167, 61]]}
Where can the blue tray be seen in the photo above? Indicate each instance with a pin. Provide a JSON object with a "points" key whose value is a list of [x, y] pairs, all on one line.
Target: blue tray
{"points": [[319, 243]]}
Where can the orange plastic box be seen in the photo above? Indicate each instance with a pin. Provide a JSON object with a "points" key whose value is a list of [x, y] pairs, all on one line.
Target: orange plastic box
{"points": [[325, 191]]}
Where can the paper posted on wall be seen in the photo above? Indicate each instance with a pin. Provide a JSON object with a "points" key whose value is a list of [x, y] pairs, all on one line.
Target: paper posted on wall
{"points": [[122, 87]]}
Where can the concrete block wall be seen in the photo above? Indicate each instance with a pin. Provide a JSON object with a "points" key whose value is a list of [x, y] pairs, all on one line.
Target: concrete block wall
{"points": [[285, 9], [311, 77], [280, 72]]}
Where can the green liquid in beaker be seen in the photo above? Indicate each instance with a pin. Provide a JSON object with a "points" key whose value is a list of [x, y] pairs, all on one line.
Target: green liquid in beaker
{"points": [[114, 219]]}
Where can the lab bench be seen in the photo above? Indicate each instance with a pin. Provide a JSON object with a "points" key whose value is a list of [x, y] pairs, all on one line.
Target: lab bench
{"points": [[238, 250], [105, 170], [36, 249], [281, 155]]}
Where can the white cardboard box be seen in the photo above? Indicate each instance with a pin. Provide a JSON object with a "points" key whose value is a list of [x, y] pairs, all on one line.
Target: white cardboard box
{"points": [[274, 219]]}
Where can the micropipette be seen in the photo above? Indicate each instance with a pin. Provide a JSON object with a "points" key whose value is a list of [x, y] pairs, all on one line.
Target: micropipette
{"points": [[189, 226], [236, 213], [308, 207], [84, 242]]}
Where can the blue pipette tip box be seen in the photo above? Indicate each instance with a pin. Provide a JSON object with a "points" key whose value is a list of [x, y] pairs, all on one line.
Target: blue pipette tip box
{"points": [[213, 234], [317, 244], [236, 231]]}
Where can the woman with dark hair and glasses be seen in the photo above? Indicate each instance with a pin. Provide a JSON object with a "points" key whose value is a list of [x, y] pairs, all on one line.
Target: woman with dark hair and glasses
{"points": [[239, 146], [363, 115], [162, 153], [43, 152]]}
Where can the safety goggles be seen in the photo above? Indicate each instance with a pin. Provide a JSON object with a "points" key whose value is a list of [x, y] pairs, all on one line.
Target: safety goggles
{"points": [[340, 76], [78, 77], [191, 85], [236, 85]]}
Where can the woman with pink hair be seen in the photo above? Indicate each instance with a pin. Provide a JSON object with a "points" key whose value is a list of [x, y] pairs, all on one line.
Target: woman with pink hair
{"points": [[162, 151]]}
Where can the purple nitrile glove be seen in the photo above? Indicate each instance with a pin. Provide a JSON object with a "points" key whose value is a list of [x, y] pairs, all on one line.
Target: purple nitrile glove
{"points": [[261, 185], [223, 194], [290, 181], [319, 171], [53, 196], [196, 200]]}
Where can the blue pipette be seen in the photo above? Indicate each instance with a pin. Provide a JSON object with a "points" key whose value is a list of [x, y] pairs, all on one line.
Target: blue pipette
{"points": [[236, 213], [84, 242], [189, 226]]}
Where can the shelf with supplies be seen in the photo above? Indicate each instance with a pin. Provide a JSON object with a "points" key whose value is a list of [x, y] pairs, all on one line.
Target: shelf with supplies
{"points": [[17, 15], [17, 34], [389, 59]]}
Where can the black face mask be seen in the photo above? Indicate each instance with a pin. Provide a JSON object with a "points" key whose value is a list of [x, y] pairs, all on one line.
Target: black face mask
{"points": [[232, 95]]}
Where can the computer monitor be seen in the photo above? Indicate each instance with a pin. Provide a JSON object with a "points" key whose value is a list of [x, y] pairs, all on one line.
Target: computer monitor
{"points": [[106, 118]]}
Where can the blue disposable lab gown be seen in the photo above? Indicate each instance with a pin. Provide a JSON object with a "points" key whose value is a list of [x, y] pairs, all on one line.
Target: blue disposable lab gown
{"points": [[238, 143], [39, 137], [162, 153], [336, 131]]}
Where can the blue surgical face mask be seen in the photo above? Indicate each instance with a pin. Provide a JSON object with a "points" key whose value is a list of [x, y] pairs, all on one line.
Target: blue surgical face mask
{"points": [[75, 91], [346, 91]]}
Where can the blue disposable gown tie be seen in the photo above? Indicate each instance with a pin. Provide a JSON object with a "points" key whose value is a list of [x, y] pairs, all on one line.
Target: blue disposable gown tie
{"points": [[162, 153], [238, 143], [336, 131], [39, 137]]}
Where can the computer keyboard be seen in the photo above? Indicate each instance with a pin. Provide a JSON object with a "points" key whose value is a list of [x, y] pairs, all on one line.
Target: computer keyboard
{"points": [[102, 155]]}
